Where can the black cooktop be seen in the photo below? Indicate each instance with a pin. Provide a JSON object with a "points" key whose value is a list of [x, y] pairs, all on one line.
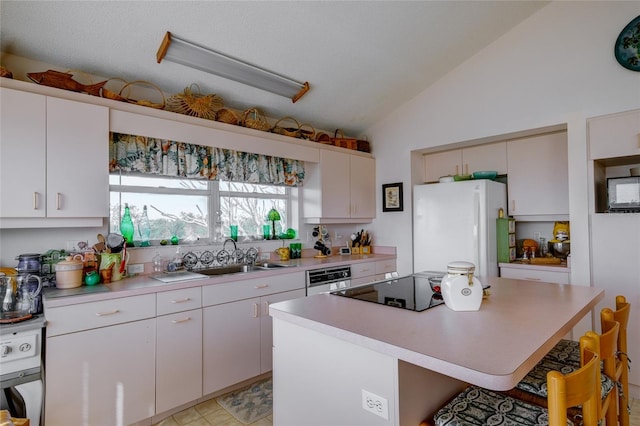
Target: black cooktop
{"points": [[413, 292]]}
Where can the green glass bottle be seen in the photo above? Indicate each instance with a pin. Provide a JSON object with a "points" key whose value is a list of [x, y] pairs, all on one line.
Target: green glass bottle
{"points": [[144, 227], [126, 226]]}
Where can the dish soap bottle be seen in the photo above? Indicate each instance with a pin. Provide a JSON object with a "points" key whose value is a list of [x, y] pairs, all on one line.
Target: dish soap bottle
{"points": [[144, 228], [126, 226], [157, 263]]}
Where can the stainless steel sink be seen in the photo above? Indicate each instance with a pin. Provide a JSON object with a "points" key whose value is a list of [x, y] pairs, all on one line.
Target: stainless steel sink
{"points": [[224, 270], [267, 265], [236, 269]]}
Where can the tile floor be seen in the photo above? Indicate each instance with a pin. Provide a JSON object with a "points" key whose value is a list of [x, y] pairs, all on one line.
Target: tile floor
{"points": [[210, 413]]}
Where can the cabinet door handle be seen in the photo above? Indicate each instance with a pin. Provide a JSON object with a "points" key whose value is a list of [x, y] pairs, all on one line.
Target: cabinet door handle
{"points": [[177, 321], [261, 286], [35, 201], [513, 205], [265, 310], [58, 201], [255, 310], [457, 167], [466, 169], [186, 299], [104, 314]]}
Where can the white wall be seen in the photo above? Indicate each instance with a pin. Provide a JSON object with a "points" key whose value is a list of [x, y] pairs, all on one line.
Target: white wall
{"points": [[556, 67]]}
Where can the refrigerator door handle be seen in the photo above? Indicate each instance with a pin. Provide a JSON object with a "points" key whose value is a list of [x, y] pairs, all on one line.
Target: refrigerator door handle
{"points": [[476, 230]]}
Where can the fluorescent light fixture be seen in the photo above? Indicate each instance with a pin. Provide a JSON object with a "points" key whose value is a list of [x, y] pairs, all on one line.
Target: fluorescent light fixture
{"points": [[181, 51]]}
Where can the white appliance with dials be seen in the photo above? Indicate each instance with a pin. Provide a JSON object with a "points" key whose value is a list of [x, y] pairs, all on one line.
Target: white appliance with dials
{"points": [[456, 221]]}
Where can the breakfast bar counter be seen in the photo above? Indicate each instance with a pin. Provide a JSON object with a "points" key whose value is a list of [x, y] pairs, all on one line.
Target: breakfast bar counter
{"points": [[335, 348]]}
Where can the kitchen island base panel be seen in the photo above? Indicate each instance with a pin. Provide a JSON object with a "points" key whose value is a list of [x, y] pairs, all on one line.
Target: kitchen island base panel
{"points": [[314, 370], [318, 379], [423, 391]]}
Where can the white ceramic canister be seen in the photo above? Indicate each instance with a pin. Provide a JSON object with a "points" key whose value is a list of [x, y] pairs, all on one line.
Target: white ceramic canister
{"points": [[461, 291], [69, 272]]}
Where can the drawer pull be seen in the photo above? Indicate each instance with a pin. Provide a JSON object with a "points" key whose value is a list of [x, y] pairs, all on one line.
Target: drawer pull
{"points": [[177, 321], [186, 299], [104, 314], [533, 279], [261, 286]]}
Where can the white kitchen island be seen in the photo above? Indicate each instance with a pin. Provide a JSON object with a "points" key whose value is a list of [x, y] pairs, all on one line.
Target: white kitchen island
{"points": [[328, 349]]}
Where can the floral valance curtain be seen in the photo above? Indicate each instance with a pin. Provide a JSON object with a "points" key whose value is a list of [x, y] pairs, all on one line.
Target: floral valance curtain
{"points": [[146, 155]]}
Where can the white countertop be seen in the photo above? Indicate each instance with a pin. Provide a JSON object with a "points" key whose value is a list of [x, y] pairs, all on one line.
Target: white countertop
{"points": [[145, 284], [494, 347]]}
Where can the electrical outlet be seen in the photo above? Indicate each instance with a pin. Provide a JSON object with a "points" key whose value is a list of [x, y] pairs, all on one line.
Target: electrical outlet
{"points": [[135, 268], [375, 404]]}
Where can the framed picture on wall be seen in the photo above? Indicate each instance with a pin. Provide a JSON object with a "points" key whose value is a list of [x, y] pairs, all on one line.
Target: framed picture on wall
{"points": [[392, 197]]}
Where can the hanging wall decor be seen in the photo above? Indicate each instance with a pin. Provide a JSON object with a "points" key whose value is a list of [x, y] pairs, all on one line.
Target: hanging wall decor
{"points": [[627, 48], [392, 197]]}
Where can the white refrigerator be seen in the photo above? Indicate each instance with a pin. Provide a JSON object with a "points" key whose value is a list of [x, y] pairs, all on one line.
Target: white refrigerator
{"points": [[457, 221]]}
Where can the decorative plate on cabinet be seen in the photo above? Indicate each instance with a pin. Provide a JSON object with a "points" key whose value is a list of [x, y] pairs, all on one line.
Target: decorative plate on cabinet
{"points": [[627, 48]]}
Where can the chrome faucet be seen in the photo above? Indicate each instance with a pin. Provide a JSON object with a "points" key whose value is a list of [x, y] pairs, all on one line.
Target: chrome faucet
{"points": [[235, 247]]}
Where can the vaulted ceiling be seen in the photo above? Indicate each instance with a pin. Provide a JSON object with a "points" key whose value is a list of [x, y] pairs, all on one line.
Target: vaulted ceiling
{"points": [[361, 58]]}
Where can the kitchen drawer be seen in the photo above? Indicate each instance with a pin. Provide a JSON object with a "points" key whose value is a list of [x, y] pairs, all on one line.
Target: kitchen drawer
{"points": [[384, 266], [558, 277], [85, 316], [168, 302], [365, 269], [216, 294]]}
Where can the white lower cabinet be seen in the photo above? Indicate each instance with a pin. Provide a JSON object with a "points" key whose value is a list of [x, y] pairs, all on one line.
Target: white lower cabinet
{"points": [[178, 348], [557, 275], [236, 327], [104, 376], [266, 326], [367, 272], [230, 344]]}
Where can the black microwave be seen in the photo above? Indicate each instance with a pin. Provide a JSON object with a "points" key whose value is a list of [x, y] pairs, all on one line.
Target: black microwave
{"points": [[623, 194]]}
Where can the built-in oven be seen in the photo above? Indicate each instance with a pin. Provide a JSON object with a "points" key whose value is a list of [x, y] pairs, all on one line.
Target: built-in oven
{"points": [[21, 368], [328, 279]]}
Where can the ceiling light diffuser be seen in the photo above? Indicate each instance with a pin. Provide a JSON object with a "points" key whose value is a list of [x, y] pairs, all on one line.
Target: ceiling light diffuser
{"points": [[181, 51]]}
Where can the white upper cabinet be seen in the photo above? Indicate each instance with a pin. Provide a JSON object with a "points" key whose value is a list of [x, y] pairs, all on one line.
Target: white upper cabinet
{"points": [[538, 176], [77, 159], [363, 187], [54, 161], [616, 135], [23, 138], [465, 161], [489, 157], [340, 189]]}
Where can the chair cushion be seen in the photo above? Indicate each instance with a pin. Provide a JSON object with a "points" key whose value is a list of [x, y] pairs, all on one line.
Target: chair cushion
{"points": [[481, 407], [535, 381], [566, 352]]}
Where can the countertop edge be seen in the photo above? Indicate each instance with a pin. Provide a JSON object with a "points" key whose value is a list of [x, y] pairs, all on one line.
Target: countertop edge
{"points": [[145, 284], [305, 314]]}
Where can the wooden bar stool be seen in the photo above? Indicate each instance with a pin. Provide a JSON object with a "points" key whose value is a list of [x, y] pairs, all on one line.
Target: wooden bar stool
{"points": [[568, 351], [533, 388], [477, 406], [621, 315]]}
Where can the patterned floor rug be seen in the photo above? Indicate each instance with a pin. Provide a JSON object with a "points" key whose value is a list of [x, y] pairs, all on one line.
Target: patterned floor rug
{"points": [[250, 403]]}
